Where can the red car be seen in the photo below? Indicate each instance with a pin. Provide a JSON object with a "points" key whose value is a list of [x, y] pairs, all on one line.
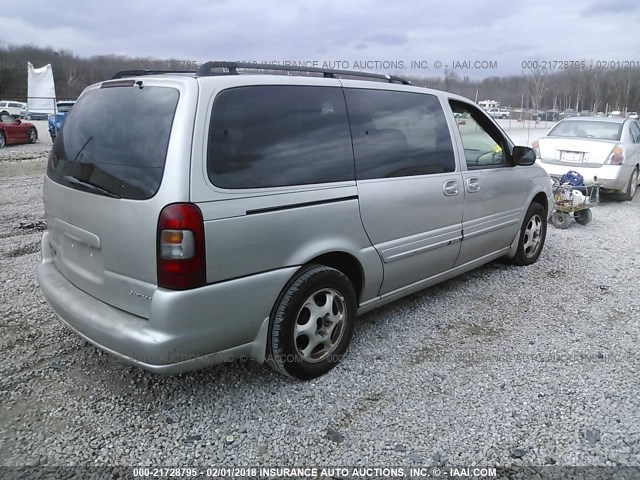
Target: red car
{"points": [[13, 130]]}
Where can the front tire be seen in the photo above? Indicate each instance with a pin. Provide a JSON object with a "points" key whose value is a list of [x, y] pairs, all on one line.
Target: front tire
{"points": [[628, 195], [33, 135], [532, 236], [3, 141], [312, 323]]}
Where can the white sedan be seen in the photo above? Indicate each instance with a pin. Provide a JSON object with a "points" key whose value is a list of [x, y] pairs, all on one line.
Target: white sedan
{"points": [[602, 150]]}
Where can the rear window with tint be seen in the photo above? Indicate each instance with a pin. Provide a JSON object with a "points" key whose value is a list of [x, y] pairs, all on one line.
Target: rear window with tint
{"points": [[587, 129], [397, 134], [114, 141], [273, 136]]}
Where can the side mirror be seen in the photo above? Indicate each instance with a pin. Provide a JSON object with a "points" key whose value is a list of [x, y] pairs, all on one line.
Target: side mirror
{"points": [[523, 156], [18, 121]]}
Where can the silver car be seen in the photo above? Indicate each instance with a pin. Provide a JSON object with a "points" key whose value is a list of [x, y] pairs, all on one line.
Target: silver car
{"points": [[199, 218], [602, 150]]}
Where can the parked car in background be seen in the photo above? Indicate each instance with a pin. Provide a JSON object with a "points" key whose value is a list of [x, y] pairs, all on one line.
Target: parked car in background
{"points": [[13, 130], [632, 115], [600, 114], [615, 113], [29, 115], [602, 150], [567, 113], [499, 113], [56, 121], [550, 116], [196, 219], [13, 108]]}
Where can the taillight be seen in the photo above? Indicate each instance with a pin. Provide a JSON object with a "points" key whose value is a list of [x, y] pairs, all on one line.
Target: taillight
{"points": [[180, 248], [616, 157], [536, 148]]}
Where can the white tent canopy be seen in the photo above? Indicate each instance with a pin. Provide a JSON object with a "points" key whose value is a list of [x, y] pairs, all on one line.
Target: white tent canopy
{"points": [[41, 91]]}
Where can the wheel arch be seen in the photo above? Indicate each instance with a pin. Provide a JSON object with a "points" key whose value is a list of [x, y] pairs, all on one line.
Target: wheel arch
{"points": [[346, 263], [541, 198]]}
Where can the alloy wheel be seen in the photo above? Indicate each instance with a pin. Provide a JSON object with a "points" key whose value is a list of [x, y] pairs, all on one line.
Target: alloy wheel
{"points": [[532, 236], [320, 325]]}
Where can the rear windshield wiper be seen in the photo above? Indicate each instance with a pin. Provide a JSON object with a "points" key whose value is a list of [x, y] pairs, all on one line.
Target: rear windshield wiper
{"points": [[82, 149], [90, 186]]}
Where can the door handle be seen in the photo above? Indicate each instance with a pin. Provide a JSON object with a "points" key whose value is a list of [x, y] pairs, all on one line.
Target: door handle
{"points": [[450, 188], [473, 185]]}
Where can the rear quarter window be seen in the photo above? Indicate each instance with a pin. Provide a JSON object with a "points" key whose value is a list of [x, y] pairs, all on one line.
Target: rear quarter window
{"points": [[274, 136], [115, 140]]}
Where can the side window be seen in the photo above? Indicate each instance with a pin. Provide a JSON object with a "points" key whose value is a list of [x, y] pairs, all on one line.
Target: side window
{"points": [[398, 134], [482, 141], [273, 136], [635, 132]]}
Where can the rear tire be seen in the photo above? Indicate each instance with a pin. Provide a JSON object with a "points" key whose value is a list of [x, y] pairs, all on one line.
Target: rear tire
{"points": [[532, 236], [561, 220], [312, 323], [583, 217], [628, 195]]}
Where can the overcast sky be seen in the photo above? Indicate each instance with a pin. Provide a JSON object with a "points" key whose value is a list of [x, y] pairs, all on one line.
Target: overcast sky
{"points": [[503, 31]]}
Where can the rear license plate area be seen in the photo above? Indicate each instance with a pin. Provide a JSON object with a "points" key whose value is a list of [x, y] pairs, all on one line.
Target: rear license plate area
{"points": [[573, 157]]}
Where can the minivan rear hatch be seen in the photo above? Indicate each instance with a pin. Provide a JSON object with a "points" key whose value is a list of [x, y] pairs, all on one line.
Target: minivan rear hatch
{"points": [[103, 189]]}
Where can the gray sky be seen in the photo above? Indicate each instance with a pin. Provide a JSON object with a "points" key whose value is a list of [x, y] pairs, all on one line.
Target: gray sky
{"points": [[502, 31]]}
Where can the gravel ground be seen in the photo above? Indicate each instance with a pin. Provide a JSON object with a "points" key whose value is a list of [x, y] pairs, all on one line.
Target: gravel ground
{"points": [[502, 366]]}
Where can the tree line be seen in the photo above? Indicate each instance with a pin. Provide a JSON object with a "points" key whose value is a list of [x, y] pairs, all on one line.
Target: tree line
{"points": [[596, 90], [580, 89]]}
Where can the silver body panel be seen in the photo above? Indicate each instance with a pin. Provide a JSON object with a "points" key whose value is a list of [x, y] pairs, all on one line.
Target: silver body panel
{"points": [[185, 330], [414, 227], [406, 233]]}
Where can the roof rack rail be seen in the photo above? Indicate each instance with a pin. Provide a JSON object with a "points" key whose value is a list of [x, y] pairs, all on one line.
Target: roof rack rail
{"points": [[232, 67], [140, 73]]}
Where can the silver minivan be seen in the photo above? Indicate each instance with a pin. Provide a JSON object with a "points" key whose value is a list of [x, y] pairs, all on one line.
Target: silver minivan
{"points": [[197, 218]]}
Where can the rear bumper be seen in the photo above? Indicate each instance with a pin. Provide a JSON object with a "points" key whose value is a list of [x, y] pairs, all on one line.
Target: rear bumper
{"points": [[610, 177], [186, 330]]}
